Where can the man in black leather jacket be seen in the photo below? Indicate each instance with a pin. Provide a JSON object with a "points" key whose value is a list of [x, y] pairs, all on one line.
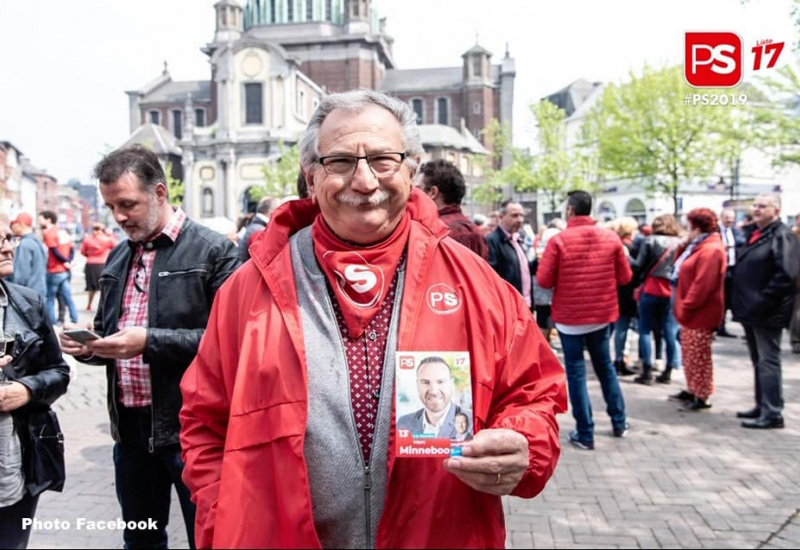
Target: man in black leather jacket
{"points": [[156, 294], [764, 292]]}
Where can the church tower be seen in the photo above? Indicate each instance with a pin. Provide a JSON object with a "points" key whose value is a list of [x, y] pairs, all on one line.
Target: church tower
{"points": [[358, 14], [229, 21], [479, 90]]}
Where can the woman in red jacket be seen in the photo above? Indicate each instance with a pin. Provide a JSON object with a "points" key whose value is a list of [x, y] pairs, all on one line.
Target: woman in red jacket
{"points": [[699, 273]]}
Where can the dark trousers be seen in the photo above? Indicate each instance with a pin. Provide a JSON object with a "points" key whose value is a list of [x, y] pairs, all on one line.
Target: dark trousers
{"points": [[575, 364], [11, 533], [728, 297], [144, 481], [764, 344], [794, 329]]}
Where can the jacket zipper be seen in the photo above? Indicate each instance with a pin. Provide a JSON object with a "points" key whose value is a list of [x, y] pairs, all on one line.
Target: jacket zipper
{"points": [[367, 507], [367, 474], [168, 273]]}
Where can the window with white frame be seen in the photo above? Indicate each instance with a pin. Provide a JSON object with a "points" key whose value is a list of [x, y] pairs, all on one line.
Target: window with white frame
{"points": [[177, 123], [443, 111], [418, 106], [155, 117], [200, 117], [254, 103], [208, 202]]}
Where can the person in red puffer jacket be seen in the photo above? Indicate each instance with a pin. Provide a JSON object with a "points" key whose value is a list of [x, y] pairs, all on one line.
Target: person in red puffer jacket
{"points": [[699, 273], [585, 264]]}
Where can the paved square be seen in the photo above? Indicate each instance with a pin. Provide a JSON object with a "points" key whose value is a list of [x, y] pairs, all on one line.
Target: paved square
{"points": [[679, 480]]}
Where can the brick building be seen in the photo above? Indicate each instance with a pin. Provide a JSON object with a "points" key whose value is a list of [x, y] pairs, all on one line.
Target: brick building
{"points": [[271, 61]]}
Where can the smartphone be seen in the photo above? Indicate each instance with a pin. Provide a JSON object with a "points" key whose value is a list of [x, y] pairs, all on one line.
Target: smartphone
{"points": [[82, 335]]}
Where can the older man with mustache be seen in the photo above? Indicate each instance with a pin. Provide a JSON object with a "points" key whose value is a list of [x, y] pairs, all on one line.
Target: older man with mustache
{"points": [[288, 407]]}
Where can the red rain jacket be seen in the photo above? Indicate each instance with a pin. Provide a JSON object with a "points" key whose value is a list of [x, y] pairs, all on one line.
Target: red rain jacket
{"points": [[585, 264], [244, 410], [700, 295]]}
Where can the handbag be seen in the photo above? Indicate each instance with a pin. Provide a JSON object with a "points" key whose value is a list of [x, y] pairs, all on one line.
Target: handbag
{"points": [[637, 292], [43, 452]]}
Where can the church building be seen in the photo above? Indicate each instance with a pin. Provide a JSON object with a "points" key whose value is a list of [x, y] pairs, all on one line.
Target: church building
{"points": [[271, 62]]}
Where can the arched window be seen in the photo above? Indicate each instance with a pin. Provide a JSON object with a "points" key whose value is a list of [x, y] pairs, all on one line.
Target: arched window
{"points": [[636, 209], [443, 111], [606, 211], [208, 202]]}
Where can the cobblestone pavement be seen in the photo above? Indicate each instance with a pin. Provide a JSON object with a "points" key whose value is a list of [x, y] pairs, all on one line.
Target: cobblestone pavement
{"points": [[679, 480]]}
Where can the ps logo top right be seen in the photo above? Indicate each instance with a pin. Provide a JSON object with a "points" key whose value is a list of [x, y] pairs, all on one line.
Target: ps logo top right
{"points": [[713, 59]]}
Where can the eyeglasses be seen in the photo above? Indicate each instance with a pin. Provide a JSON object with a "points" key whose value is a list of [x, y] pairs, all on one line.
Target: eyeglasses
{"points": [[381, 164], [140, 275], [8, 239]]}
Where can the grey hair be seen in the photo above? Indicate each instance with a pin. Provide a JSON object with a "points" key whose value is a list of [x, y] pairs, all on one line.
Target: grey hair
{"points": [[773, 198], [505, 204], [357, 101]]}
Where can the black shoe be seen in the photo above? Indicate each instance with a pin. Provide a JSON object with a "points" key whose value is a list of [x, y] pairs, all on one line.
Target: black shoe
{"points": [[752, 413], [682, 395], [725, 334], [764, 423], [645, 379], [622, 369], [578, 444], [665, 377], [695, 405], [622, 432]]}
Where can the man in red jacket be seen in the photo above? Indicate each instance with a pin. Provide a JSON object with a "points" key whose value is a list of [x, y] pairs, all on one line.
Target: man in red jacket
{"points": [[585, 264], [288, 412]]}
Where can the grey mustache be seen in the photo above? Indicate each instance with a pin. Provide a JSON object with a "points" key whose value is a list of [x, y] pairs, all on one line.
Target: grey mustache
{"points": [[374, 199]]}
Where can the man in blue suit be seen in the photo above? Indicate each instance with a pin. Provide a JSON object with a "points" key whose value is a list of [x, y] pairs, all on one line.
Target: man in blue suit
{"points": [[437, 416]]}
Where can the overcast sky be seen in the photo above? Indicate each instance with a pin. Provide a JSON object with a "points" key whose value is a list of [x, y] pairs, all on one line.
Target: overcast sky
{"points": [[66, 64]]}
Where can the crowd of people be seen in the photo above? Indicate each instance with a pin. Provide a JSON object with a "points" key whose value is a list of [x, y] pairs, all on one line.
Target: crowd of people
{"points": [[255, 373]]}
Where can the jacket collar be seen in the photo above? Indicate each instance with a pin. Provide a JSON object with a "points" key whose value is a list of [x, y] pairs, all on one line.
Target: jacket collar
{"points": [[450, 209], [578, 221], [294, 215]]}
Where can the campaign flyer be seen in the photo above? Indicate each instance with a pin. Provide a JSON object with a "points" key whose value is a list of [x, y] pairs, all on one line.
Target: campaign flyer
{"points": [[433, 403]]}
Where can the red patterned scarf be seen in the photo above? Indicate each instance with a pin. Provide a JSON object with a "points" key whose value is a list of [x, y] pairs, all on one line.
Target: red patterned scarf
{"points": [[360, 276]]}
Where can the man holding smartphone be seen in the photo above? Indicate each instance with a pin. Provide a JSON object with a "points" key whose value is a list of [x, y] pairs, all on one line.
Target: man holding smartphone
{"points": [[145, 348]]}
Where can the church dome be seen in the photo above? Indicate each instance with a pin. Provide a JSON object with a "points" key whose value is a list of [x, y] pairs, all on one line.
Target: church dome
{"points": [[277, 12]]}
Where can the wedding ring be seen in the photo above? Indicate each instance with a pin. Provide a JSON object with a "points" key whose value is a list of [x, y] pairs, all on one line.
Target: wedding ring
{"points": [[497, 482]]}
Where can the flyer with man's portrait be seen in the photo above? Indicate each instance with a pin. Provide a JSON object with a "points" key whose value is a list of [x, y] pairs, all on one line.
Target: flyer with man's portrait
{"points": [[433, 403]]}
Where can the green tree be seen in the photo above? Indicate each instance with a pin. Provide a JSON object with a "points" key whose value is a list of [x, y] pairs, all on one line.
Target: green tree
{"points": [[556, 169], [779, 114], [280, 177], [642, 130], [496, 181], [175, 187]]}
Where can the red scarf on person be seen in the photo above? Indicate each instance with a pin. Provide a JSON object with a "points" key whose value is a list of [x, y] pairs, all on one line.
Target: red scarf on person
{"points": [[359, 275]]}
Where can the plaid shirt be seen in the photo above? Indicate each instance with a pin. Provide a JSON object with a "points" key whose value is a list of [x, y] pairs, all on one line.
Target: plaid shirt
{"points": [[133, 375]]}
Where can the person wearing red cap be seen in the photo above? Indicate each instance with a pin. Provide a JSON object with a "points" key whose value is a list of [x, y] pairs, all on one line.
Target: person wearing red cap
{"points": [[30, 259]]}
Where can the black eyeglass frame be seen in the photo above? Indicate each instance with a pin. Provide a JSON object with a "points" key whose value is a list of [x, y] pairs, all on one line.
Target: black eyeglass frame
{"points": [[366, 158], [9, 238]]}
